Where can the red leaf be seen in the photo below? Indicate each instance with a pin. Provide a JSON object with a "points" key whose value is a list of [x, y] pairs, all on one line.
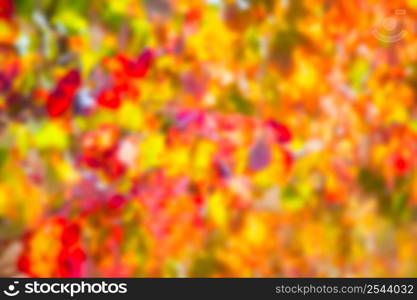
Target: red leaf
{"points": [[282, 133], [140, 67], [116, 201], [23, 263], [58, 102], [70, 82], [109, 98], [70, 235], [402, 163], [62, 96], [6, 9]]}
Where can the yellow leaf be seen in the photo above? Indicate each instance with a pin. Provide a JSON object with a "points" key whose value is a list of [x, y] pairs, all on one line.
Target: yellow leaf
{"points": [[217, 209], [151, 151], [51, 135], [130, 116]]}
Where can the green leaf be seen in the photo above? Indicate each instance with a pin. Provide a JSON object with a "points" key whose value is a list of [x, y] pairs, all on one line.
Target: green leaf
{"points": [[241, 104], [358, 73]]}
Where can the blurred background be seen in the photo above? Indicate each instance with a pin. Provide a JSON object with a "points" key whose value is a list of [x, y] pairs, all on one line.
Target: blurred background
{"points": [[208, 138]]}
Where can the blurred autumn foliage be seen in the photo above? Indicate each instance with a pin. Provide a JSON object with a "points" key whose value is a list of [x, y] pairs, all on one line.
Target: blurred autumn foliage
{"points": [[208, 138]]}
